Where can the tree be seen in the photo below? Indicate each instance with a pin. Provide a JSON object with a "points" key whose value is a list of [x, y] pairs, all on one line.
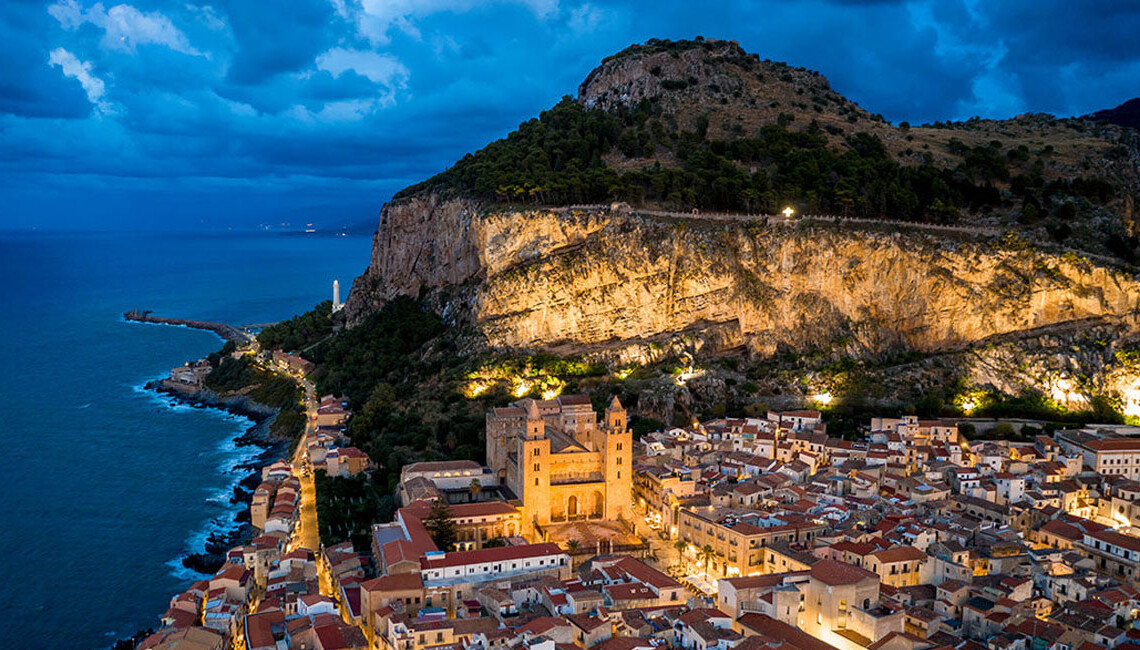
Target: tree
{"points": [[475, 488], [572, 546], [441, 525], [707, 554], [1003, 431], [680, 546]]}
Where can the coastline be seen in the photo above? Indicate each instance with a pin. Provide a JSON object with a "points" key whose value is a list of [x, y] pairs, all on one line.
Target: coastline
{"points": [[207, 559]]}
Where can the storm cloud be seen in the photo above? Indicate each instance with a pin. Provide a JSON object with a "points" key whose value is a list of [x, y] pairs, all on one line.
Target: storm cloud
{"points": [[233, 113]]}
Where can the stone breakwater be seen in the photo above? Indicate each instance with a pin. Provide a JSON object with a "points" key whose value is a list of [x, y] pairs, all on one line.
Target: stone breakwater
{"points": [[226, 331]]}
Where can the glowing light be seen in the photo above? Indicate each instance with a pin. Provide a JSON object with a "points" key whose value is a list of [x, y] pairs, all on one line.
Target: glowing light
{"points": [[476, 388], [823, 398], [1130, 400], [1065, 392], [522, 389], [788, 212], [551, 393], [968, 406], [623, 373], [686, 375]]}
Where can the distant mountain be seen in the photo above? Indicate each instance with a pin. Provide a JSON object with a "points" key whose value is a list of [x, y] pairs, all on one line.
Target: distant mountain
{"points": [[1127, 114]]}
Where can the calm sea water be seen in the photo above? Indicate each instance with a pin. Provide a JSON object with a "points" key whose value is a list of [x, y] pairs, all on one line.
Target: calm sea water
{"points": [[104, 485]]}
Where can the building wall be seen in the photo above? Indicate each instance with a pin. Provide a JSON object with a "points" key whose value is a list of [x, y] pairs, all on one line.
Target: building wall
{"points": [[554, 486], [835, 607]]}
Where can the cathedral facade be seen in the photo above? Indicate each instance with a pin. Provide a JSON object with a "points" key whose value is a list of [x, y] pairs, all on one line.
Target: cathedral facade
{"points": [[561, 463]]}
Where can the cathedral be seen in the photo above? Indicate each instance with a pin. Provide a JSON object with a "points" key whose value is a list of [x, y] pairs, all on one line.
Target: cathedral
{"points": [[560, 462]]}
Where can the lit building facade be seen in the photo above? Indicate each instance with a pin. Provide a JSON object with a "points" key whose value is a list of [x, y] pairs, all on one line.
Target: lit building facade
{"points": [[560, 463]]}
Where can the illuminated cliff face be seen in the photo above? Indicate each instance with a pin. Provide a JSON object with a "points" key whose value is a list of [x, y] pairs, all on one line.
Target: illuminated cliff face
{"points": [[594, 281]]}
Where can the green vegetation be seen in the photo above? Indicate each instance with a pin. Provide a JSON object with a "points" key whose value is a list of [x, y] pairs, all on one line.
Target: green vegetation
{"points": [[300, 331], [440, 524], [558, 159], [240, 375], [375, 354], [347, 508], [402, 371]]}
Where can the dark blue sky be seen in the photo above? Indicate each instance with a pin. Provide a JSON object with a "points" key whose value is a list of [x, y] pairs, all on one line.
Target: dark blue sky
{"points": [[180, 114]]}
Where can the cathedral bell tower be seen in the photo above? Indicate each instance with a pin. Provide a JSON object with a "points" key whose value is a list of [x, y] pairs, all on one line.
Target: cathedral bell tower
{"points": [[618, 462], [534, 471]]}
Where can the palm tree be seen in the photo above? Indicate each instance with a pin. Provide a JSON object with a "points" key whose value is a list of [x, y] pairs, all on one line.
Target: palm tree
{"points": [[680, 546], [572, 546], [707, 554], [475, 488]]}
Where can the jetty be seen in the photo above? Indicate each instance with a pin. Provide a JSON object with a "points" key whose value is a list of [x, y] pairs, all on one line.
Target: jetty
{"points": [[225, 330]]}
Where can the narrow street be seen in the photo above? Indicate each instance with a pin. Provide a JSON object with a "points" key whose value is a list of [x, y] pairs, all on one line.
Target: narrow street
{"points": [[307, 533]]}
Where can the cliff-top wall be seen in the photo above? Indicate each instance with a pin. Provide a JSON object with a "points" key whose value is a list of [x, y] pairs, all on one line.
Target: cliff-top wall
{"points": [[598, 280]]}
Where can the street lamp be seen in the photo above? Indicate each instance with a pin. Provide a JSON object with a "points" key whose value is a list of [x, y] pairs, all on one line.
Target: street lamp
{"points": [[788, 212]]}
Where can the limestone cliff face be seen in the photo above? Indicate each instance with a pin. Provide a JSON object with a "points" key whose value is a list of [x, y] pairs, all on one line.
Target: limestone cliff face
{"points": [[619, 284]]}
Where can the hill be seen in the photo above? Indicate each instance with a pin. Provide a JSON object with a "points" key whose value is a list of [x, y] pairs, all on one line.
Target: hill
{"points": [[1127, 114], [631, 228], [703, 124]]}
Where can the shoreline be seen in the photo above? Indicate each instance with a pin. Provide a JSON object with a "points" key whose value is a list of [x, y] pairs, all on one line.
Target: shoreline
{"points": [[207, 559]]}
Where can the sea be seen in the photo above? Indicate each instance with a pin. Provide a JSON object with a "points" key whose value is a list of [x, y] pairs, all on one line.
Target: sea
{"points": [[105, 485]]}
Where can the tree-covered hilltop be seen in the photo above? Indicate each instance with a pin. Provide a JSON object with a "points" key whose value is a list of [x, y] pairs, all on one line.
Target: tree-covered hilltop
{"points": [[559, 158], [703, 124]]}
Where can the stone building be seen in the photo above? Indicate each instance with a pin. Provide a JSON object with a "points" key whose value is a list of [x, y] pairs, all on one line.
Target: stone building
{"points": [[560, 462]]}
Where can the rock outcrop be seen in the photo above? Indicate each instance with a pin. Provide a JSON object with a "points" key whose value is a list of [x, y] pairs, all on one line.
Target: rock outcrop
{"points": [[613, 282]]}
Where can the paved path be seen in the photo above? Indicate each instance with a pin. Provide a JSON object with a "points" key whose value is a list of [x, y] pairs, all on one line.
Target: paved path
{"points": [[307, 532]]}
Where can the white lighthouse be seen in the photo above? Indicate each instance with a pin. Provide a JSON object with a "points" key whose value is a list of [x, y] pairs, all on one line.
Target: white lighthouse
{"points": [[337, 304]]}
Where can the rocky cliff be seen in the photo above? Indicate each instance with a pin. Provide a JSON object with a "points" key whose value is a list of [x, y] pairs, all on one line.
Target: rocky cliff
{"points": [[613, 282], [670, 125]]}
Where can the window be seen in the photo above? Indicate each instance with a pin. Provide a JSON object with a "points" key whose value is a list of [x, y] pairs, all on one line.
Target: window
{"points": [[843, 605], [535, 482], [537, 467], [618, 446], [537, 451]]}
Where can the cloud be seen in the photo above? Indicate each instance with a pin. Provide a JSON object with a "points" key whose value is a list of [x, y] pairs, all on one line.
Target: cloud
{"points": [[28, 86], [585, 18], [380, 68], [377, 19], [270, 43], [80, 71], [124, 26], [367, 96]]}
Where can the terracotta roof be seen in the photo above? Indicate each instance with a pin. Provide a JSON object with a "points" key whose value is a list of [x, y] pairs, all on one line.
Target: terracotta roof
{"points": [[1114, 444], [765, 625], [899, 554], [394, 582], [1112, 537], [835, 573], [769, 580]]}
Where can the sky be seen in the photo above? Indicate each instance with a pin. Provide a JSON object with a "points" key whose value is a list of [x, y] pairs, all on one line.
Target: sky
{"points": [[180, 114]]}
